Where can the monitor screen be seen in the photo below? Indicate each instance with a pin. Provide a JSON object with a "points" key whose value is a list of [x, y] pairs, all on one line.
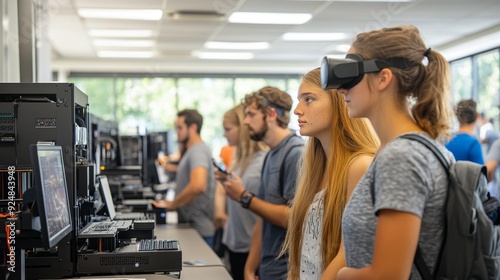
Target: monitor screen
{"points": [[106, 196], [98, 201], [51, 193]]}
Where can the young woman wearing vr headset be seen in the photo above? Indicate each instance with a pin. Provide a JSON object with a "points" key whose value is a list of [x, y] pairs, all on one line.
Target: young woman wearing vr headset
{"points": [[384, 78]]}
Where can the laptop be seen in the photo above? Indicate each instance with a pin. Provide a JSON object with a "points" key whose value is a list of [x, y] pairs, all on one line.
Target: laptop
{"points": [[110, 206]]}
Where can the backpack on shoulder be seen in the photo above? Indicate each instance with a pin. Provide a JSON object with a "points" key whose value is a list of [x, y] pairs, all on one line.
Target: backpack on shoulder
{"points": [[471, 248]]}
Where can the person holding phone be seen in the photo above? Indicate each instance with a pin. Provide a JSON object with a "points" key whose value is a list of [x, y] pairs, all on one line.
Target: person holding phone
{"points": [[220, 166], [246, 164], [267, 114]]}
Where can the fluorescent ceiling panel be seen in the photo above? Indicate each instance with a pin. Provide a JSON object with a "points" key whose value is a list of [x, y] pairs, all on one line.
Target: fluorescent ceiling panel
{"points": [[236, 45], [121, 33], [125, 54], [224, 55], [270, 18], [295, 36], [123, 43], [131, 14]]}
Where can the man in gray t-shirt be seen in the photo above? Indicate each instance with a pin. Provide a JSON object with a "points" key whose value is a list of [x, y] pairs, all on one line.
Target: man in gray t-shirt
{"points": [[493, 166], [195, 181]]}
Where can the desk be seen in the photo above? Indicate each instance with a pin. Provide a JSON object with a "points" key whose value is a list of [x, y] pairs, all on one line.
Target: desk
{"points": [[193, 249]]}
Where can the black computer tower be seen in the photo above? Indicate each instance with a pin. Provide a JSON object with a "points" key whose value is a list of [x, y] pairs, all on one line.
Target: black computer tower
{"points": [[56, 113]]}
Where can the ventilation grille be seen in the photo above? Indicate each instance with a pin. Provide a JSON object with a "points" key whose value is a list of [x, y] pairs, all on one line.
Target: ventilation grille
{"points": [[114, 261]]}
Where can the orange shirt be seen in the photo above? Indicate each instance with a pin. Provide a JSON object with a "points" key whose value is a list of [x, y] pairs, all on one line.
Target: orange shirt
{"points": [[226, 154]]}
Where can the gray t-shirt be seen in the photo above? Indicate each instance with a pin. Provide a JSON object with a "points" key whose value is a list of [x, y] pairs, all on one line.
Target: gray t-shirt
{"points": [[239, 227], [494, 155], [199, 213], [406, 177], [271, 191]]}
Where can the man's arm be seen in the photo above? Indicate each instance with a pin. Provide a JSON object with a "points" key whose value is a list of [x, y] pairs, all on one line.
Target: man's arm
{"points": [[491, 165], [493, 159], [196, 186], [253, 259], [276, 214]]}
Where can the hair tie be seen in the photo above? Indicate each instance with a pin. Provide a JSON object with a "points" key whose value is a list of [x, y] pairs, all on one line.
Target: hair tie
{"points": [[427, 52]]}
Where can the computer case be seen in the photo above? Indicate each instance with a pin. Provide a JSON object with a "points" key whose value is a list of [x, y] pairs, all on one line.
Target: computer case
{"points": [[56, 113]]}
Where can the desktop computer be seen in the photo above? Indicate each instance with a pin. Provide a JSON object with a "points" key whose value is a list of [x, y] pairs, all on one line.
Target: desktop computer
{"points": [[55, 114]]}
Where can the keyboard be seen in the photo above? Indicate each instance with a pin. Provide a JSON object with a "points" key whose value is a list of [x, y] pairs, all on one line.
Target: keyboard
{"points": [[158, 244], [122, 224], [134, 216], [106, 227], [103, 226]]}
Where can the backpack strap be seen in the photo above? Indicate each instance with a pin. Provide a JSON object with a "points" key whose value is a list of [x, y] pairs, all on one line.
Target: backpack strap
{"points": [[419, 260], [424, 141], [422, 268], [282, 167]]}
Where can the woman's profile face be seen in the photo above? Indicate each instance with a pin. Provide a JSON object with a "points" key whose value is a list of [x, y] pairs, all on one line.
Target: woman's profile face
{"points": [[231, 132], [314, 110]]}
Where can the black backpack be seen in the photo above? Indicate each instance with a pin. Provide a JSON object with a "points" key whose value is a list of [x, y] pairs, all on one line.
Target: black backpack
{"points": [[471, 249]]}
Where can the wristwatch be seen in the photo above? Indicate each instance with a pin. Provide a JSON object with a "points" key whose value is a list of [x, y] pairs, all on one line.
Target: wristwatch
{"points": [[246, 197]]}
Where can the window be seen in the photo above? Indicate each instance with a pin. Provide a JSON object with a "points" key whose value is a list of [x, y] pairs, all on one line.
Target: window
{"points": [[488, 83], [461, 79], [212, 97], [148, 104], [101, 95], [145, 104]]}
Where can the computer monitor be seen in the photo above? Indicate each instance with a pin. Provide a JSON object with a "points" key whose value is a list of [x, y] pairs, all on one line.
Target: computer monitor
{"points": [[106, 196], [51, 193], [98, 201]]}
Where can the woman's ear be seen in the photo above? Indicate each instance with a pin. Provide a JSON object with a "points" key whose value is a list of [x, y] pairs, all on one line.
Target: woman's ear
{"points": [[385, 77]]}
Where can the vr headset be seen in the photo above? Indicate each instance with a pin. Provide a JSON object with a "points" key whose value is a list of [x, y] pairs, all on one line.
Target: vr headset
{"points": [[347, 72]]}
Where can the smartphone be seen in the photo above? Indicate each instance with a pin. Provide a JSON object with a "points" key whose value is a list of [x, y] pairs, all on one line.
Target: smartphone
{"points": [[220, 165]]}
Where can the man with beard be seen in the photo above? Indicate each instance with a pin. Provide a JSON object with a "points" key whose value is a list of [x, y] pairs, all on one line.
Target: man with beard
{"points": [[267, 113], [195, 181]]}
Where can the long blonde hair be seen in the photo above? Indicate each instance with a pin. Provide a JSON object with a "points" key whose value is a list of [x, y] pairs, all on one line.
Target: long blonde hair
{"points": [[350, 138], [246, 147]]}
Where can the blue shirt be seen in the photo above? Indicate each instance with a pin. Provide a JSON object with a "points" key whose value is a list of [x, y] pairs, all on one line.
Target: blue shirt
{"points": [[270, 190], [466, 147]]}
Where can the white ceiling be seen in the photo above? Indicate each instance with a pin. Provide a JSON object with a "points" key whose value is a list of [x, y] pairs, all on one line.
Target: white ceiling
{"points": [[455, 27]]}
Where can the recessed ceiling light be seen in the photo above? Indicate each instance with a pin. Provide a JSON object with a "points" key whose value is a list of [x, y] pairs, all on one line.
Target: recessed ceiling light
{"points": [[237, 45], [134, 33], [295, 36], [224, 55], [270, 18], [123, 43], [125, 54], [133, 14]]}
